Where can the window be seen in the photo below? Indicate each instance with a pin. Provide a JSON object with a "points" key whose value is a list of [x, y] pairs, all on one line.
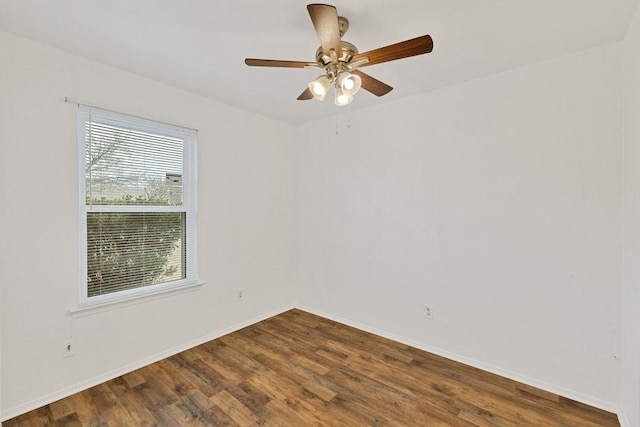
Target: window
{"points": [[137, 206]]}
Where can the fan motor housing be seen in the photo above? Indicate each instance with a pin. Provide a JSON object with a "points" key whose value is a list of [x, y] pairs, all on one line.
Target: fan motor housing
{"points": [[348, 52]]}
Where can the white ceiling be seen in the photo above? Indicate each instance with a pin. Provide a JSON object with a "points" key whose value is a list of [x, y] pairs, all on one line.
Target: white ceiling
{"points": [[200, 45]]}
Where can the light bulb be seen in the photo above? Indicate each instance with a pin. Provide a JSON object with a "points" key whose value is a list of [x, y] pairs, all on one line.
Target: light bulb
{"points": [[317, 89], [349, 83]]}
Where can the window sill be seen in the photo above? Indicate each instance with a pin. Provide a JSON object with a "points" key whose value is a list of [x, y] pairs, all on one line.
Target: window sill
{"points": [[89, 309]]}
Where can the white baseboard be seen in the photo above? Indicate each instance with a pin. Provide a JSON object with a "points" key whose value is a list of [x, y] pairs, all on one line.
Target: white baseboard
{"points": [[83, 385], [570, 394]]}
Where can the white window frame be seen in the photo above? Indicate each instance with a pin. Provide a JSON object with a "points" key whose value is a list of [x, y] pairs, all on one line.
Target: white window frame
{"points": [[189, 206]]}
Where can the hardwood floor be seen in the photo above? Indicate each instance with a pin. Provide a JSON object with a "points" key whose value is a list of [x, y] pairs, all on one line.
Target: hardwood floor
{"points": [[297, 369]]}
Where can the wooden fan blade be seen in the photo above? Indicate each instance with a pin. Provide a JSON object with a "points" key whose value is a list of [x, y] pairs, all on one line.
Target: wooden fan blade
{"points": [[252, 62], [372, 85], [305, 95], [405, 49], [325, 21]]}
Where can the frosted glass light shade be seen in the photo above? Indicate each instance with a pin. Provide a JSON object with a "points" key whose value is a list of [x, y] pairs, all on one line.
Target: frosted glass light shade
{"points": [[319, 87], [342, 98]]}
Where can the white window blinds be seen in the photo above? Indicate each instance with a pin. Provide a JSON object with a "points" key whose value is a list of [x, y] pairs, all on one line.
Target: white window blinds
{"points": [[138, 207], [125, 166]]}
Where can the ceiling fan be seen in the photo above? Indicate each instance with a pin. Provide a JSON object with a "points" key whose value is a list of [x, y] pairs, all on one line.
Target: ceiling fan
{"points": [[340, 60]]}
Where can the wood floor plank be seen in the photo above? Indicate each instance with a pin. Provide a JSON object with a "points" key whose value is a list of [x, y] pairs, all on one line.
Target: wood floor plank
{"points": [[186, 412], [133, 379], [109, 406], [393, 405], [175, 382], [132, 401], [62, 409], [225, 367], [251, 397], [69, 420], [196, 372], [36, 418], [200, 410], [236, 410], [299, 369], [85, 408], [579, 412]]}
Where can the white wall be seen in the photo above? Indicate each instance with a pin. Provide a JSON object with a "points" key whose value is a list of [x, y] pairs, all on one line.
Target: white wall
{"points": [[497, 201], [630, 352], [246, 225]]}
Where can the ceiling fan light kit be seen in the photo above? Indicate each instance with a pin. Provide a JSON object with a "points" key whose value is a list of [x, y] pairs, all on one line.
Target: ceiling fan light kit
{"points": [[342, 98], [350, 83], [340, 60], [319, 87]]}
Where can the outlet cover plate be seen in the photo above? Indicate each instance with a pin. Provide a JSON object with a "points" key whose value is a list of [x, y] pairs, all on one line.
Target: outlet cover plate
{"points": [[428, 311]]}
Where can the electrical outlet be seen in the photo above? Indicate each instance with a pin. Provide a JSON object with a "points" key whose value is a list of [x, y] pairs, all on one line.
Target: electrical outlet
{"points": [[67, 349], [240, 294], [428, 311]]}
